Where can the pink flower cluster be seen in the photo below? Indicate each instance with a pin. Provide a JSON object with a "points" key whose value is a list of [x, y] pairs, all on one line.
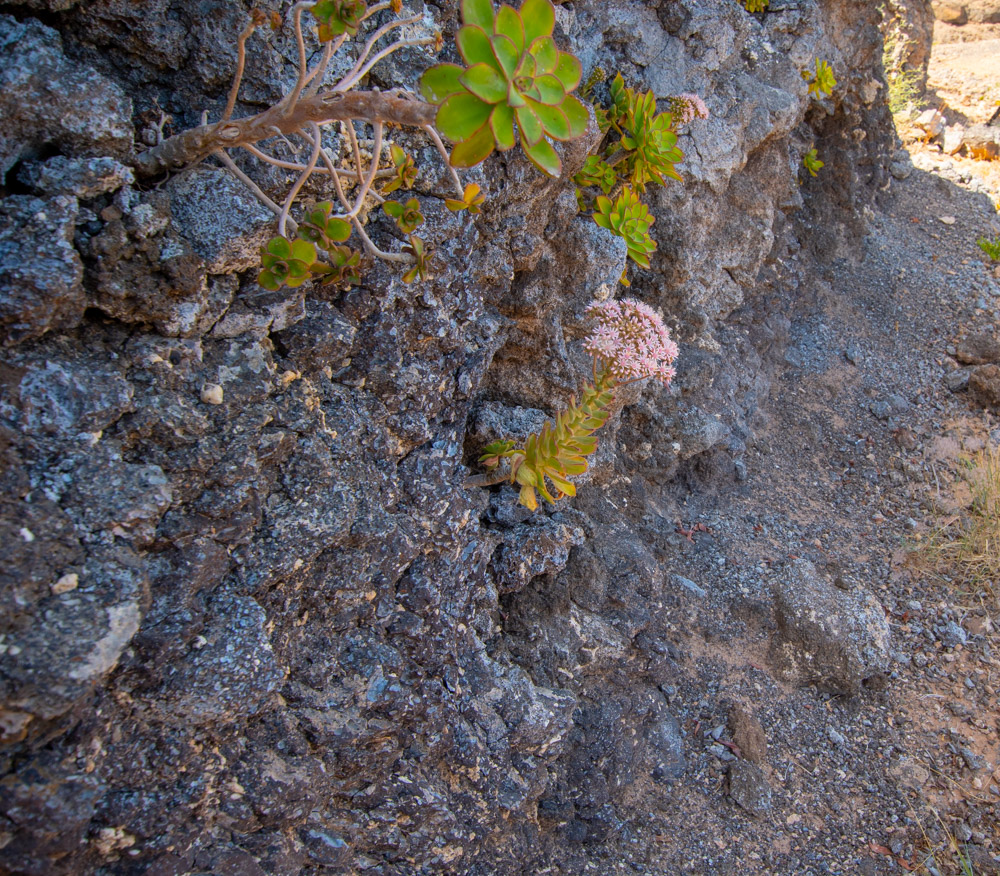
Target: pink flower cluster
{"points": [[687, 107], [631, 341]]}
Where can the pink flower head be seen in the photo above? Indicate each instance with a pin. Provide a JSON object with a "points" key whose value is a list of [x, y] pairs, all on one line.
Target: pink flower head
{"points": [[687, 107], [631, 341]]}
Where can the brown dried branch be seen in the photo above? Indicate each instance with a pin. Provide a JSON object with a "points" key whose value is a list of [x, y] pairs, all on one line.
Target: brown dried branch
{"points": [[392, 107]]}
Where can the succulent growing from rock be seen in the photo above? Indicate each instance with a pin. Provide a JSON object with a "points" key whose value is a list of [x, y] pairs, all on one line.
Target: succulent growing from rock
{"points": [[471, 200], [821, 80], [320, 227], [755, 5], [629, 342], [286, 263], [337, 17], [628, 217], [515, 76], [811, 162], [408, 216], [406, 170]]}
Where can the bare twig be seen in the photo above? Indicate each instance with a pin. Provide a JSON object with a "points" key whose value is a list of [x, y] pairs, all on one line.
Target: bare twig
{"points": [[297, 186], [430, 132], [370, 106], [241, 60]]}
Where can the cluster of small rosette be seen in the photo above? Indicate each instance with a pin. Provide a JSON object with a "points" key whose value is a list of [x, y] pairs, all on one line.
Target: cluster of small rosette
{"points": [[515, 74], [630, 341]]}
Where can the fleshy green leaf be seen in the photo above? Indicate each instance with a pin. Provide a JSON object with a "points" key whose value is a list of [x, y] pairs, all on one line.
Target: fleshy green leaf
{"points": [[303, 250], [544, 157], [478, 12], [269, 280], [530, 125], [485, 82], [514, 97], [576, 114], [508, 23], [461, 116], [550, 90], [280, 247], [506, 54], [474, 46], [568, 71], [545, 53], [553, 120], [502, 125], [473, 150], [440, 82], [539, 19], [338, 230]]}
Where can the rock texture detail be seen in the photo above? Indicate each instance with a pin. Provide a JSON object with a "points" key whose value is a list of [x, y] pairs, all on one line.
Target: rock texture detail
{"points": [[252, 619]]}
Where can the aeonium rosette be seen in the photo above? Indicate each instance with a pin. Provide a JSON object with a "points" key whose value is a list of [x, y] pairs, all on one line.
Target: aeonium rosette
{"points": [[515, 74]]}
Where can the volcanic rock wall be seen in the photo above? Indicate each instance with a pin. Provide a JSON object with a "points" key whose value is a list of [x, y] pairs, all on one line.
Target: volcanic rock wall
{"points": [[252, 619]]}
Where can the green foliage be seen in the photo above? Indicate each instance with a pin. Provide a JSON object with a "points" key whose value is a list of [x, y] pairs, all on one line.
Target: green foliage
{"points": [[472, 200], [286, 263], [811, 162], [650, 142], [408, 216], [558, 452], [342, 268], [598, 173], [320, 227], [821, 81], [639, 148], [755, 5], [628, 217], [515, 74], [421, 260], [336, 17], [291, 262], [406, 170], [990, 247]]}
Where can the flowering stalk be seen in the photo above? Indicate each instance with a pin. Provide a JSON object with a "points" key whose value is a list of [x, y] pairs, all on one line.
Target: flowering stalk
{"points": [[629, 342]]}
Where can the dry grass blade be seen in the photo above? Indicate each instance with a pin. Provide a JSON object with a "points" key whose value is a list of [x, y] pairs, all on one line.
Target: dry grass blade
{"points": [[970, 551]]}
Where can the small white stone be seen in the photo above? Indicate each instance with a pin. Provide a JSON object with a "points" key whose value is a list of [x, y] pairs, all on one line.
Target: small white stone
{"points": [[66, 583], [27, 534], [211, 394]]}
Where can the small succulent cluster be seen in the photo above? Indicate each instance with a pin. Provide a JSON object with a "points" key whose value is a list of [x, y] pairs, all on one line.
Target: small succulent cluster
{"points": [[290, 263], [755, 5], [639, 148], [821, 80], [811, 162], [629, 218], [628, 342], [337, 17], [990, 247], [515, 76]]}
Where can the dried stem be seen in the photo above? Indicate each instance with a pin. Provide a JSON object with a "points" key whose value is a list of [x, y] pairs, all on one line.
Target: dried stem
{"points": [[250, 184], [392, 107], [388, 50], [430, 132], [351, 75], [241, 60], [296, 188]]}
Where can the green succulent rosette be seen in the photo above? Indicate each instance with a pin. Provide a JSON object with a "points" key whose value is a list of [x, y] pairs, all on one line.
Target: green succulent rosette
{"points": [[630, 219], [515, 75], [286, 263]]}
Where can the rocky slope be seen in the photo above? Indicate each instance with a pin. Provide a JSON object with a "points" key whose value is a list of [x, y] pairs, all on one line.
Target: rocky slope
{"points": [[253, 620]]}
